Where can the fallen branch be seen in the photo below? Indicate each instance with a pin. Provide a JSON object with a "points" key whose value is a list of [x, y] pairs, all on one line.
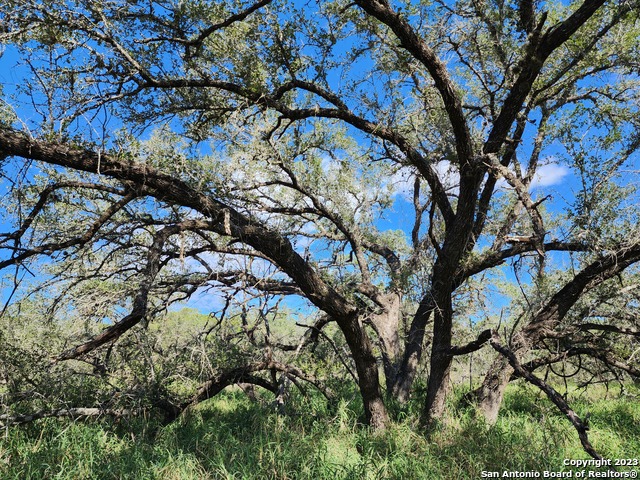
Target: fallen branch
{"points": [[7, 420], [244, 374], [551, 393]]}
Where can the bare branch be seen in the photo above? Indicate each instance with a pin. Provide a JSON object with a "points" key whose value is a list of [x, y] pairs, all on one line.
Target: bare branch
{"points": [[473, 346], [606, 267], [238, 17], [609, 328], [242, 374], [552, 394], [410, 40], [8, 420], [139, 309]]}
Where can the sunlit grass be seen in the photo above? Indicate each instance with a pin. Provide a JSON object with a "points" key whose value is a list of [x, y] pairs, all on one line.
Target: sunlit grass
{"points": [[232, 437]]}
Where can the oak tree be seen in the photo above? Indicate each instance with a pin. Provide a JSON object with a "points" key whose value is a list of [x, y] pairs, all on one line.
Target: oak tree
{"points": [[382, 161]]}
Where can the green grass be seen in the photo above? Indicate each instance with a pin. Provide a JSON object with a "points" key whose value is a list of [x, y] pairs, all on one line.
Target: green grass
{"points": [[234, 438]]}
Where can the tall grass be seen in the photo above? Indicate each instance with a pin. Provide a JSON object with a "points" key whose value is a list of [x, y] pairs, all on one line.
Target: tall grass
{"points": [[232, 437]]}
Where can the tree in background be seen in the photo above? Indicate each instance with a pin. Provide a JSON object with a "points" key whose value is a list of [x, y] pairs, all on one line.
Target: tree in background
{"points": [[378, 160]]}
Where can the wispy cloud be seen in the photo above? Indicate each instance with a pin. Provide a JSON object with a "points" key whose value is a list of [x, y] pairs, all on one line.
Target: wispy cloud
{"points": [[550, 174], [205, 300], [402, 181]]}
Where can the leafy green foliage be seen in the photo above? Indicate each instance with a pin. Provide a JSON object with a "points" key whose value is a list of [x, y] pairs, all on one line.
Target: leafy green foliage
{"points": [[372, 165]]}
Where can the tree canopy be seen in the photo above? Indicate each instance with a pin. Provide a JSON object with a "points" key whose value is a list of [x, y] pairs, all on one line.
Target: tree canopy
{"points": [[383, 168]]}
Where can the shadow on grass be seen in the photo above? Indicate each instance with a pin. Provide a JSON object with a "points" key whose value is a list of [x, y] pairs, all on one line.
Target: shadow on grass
{"points": [[232, 437]]}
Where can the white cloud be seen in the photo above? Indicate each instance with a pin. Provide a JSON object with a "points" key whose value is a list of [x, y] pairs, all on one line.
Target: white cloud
{"points": [[403, 180], [549, 174], [449, 176], [401, 183]]}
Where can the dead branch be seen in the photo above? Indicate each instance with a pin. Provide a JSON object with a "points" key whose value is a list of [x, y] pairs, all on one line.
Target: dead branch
{"points": [[7, 420], [551, 393]]}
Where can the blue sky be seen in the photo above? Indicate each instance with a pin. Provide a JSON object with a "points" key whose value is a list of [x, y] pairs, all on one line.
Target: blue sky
{"points": [[399, 217], [553, 178]]}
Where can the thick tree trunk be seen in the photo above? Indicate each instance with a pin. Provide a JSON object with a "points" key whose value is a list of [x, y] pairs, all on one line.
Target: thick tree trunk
{"points": [[440, 365], [445, 280], [491, 393], [401, 388], [386, 324], [367, 368]]}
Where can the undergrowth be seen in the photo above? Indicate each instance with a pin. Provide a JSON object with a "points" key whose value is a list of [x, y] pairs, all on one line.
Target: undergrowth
{"points": [[232, 437]]}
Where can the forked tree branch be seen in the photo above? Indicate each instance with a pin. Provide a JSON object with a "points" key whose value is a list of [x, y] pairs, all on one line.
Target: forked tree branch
{"points": [[410, 40], [139, 308], [551, 393]]}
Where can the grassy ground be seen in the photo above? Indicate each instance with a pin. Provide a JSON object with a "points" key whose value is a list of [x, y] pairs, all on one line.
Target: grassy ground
{"points": [[232, 437]]}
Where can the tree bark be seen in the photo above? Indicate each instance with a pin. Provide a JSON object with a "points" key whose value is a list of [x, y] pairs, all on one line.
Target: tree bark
{"points": [[545, 321], [367, 369], [439, 366], [414, 346], [492, 390], [386, 324]]}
